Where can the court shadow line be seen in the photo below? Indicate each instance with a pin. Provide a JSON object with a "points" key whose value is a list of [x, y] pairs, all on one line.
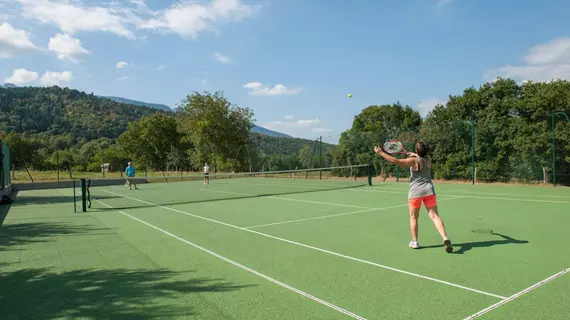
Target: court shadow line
{"points": [[115, 208], [106, 293], [467, 246]]}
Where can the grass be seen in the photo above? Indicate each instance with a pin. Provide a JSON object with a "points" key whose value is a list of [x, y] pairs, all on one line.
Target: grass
{"points": [[283, 249]]}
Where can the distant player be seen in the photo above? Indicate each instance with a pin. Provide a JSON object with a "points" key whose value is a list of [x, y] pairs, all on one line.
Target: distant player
{"points": [[421, 190], [206, 174], [130, 171]]}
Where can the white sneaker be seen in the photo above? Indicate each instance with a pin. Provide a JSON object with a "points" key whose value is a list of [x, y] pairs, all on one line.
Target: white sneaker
{"points": [[414, 244]]}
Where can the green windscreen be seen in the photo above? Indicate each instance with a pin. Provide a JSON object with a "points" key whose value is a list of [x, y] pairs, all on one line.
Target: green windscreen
{"points": [[5, 166]]}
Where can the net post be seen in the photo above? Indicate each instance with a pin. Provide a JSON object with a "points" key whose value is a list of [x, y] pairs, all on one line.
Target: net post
{"points": [[320, 157], [369, 173], [83, 195]]}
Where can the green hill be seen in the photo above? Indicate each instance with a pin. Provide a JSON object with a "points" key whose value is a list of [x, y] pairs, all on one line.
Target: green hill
{"points": [[62, 111]]}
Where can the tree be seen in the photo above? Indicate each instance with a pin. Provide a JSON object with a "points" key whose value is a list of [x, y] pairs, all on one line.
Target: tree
{"points": [[216, 129], [23, 152], [373, 126], [390, 120], [114, 155], [512, 132], [150, 140]]}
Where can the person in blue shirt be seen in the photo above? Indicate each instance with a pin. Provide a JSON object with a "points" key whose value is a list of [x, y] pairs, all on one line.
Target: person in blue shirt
{"points": [[130, 171]]}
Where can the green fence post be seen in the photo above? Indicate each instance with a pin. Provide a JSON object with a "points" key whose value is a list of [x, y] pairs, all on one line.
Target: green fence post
{"points": [[74, 201], [472, 150], [83, 195], [554, 114]]}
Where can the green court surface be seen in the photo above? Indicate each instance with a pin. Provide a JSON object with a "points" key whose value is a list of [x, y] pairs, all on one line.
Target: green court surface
{"points": [[242, 250]]}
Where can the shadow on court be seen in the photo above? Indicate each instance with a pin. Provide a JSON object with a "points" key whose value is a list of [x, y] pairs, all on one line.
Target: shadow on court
{"points": [[102, 294], [15, 235], [33, 200], [222, 195], [461, 248]]}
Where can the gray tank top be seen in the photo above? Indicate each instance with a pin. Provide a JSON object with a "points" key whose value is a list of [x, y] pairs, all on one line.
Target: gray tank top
{"points": [[420, 182]]}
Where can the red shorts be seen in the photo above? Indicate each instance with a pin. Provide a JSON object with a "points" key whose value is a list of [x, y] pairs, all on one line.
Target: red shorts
{"points": [[429, 202]]}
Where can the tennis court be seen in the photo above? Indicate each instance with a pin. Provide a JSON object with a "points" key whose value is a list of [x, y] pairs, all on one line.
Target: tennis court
{"points": [[284, 247]]}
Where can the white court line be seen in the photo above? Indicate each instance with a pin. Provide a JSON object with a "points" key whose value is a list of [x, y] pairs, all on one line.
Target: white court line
{"points": [[295, 200], [313, 248], [259, 274], [512, 194], [338, 215], [516, 295], [380, 191], [319, 217], [379, 187]]}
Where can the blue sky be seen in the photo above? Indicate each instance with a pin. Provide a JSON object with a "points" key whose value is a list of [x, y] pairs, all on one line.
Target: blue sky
{"points": [[292, 61]]}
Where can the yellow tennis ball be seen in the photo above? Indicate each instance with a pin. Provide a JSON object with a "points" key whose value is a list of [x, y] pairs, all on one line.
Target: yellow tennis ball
{"points": [[350, 95]]}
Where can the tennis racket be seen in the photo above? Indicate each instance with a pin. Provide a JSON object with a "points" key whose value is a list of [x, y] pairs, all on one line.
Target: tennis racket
{"points": [[395, 147]]}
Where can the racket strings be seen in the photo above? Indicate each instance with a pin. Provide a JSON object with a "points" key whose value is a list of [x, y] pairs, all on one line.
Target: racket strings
{"points": [[393, 147]]}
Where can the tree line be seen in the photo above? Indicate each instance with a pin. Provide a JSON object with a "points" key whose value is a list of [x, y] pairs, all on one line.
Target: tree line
{"points": [[502, 128], [505, 127]]}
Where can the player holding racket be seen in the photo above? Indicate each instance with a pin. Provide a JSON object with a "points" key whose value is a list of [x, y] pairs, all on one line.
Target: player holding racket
{"points": [[421, 187]]}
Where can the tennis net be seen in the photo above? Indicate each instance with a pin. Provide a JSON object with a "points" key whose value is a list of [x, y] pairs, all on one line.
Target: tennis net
{"points": [[172, 190]]}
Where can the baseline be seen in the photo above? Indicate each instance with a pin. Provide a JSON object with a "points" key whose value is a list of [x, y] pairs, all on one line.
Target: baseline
{"points": [[466, 196], [259, 274], [314, 248], [516, 295]]}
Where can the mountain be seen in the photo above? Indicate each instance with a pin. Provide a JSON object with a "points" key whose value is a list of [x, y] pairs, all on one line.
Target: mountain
{"points": [[268, 132], [139, 103], [8, 85]]}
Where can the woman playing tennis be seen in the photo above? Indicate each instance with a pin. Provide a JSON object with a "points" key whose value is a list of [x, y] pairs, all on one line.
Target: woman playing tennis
{"points": [[421, 190]]}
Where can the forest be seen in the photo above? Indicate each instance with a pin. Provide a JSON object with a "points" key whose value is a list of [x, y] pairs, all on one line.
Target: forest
{"points": [[49, 128], [503, 131]]}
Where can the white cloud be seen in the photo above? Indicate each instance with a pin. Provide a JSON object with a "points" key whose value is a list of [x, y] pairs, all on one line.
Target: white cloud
{"points": [[221, 58], [55, 78], [188, 18], [49, 78], [185, 18], [295, 124], [73, 17], [425, 106], [544, 62], [259, 89], [122, 64], [160, 68], [307, 123], [123, 78], [22, 76], [289, 117], [67, 47], [14, 42], [321, 130]]}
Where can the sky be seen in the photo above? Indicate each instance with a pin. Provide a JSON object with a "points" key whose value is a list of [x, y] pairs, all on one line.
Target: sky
{"points": [[293, 62]]}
